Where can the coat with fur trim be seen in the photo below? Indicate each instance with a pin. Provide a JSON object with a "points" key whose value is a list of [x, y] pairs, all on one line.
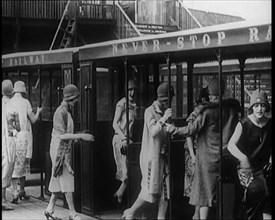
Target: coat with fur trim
{"points": [[206, 126]]}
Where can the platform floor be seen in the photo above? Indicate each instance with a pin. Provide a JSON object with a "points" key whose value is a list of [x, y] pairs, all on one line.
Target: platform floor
{"points": [[35, 206]]}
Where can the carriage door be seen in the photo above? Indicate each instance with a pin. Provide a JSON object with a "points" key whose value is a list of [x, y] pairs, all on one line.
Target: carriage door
{"points": [[87, 123]]}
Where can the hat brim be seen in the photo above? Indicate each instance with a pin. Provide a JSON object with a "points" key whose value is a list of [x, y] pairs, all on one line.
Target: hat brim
{"points": [[71, 97], [266, 103], [162, 98], [19, 90], [8, 94]]}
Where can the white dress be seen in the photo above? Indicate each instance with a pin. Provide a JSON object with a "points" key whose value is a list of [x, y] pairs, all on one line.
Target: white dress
{"points": [[24, 139]]}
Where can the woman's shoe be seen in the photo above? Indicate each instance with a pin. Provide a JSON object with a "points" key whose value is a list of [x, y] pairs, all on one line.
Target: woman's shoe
{"points": [[51, 215], [74, 216], [127, 214], [22, 194], [6, 206], [15, 198]]}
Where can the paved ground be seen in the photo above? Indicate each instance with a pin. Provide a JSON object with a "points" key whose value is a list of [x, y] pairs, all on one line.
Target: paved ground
{"points": [[34, 209]]}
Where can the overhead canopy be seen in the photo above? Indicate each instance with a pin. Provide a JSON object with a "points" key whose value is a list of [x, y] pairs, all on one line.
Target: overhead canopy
{"points": [[239, 39], [60, 56]]}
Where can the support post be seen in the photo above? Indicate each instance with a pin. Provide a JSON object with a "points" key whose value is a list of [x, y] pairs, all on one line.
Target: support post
{"points": [[219, 177], [169, 138], [242, 66]]}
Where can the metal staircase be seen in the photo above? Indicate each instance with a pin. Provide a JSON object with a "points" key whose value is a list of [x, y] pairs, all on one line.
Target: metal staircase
{"points": [[67, 26], [68, 34]]}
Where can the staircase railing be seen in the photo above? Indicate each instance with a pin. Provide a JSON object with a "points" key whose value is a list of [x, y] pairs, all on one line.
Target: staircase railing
{"points": [[125, 28], [53, 9], [59, 25], [33, 8]]}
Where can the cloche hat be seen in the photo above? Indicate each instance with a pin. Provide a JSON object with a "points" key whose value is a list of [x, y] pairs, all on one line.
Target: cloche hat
{"points": [[259, 97], [7, 88], [163, 90], [70, 92], [132, 84], [19, 86]]}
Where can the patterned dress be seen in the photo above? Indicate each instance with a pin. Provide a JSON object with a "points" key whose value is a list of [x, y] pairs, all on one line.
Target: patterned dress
{"points": [[206, 126], [120, 159], [189, 170], [189, 165], [9, 116], [23, 138]]}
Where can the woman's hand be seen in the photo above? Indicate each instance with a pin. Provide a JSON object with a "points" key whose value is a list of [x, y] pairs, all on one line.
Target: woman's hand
{"points": [[39, 109], [193, 158], [167, 115], [244, 163], [87, 137], [170, 128]]}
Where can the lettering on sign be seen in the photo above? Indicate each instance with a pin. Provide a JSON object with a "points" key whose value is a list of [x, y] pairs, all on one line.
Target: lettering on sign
{"points": [[219, 38], [27, 60]]}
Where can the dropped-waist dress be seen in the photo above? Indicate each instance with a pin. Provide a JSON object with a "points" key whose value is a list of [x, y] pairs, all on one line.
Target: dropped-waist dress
{"points": [[24, 138], [9, 116], [206, 126], [120, 159], [61, 180]]}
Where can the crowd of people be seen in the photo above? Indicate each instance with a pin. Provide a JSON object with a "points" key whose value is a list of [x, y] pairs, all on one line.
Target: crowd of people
{"points": [[247, 139]]}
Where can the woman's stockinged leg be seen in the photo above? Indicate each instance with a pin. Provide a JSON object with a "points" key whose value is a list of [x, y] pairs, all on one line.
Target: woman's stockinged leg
{"points": [[204, 212], [162, 208], [22, 183], [52, 202], [70, 201], [196, 215], [14, 182], [119, 193]]}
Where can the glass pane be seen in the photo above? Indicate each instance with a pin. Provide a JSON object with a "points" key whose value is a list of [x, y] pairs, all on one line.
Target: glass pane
{"points": [[46, 95], [34, 96], [104, 97], [24, 77], [13, 76], [56, 97]]}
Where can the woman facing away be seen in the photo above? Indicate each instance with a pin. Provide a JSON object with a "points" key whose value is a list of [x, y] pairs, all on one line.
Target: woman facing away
{"points": [[63, 135], [24, 140], [10, 128], [190, 149]]}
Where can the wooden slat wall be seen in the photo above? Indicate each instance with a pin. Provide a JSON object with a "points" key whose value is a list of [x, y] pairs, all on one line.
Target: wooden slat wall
{"points": [[53, 9]]}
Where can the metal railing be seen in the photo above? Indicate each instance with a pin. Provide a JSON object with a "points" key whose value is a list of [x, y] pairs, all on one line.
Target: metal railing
{"points": [[50, 9], [53, 9]]}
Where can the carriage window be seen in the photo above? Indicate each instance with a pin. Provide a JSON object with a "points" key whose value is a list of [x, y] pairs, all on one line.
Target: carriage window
{"points": [[46, 95], [104, 97], [13, 76], [34, 91], [24, 76], [56, 96]]}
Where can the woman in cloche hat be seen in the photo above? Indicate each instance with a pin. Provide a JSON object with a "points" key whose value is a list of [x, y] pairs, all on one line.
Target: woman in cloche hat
{"points": [[62, 178], [24, 140], [251, 145]]}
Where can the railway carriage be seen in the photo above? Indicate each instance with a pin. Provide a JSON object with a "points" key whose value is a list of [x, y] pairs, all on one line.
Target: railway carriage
{"points": [[239, 52]]}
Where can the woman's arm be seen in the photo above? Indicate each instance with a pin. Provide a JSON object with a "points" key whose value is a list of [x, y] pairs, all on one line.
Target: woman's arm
{"points": [[34, 117], [82, 136], [234, 150], [117, 117]]}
